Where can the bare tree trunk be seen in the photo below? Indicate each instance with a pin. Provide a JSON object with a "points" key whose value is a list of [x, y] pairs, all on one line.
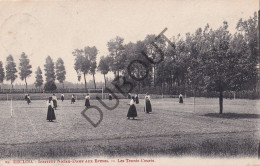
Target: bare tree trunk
{"points": [[85, 82], [25, 84], [221, 102], [105, 81], [153, 75], [94, 81]]}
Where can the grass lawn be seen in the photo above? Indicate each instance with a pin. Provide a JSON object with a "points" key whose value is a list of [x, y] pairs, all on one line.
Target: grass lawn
{"points": [[172, 129]]}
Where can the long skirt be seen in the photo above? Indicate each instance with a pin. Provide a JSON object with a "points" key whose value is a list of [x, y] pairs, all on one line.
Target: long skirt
{"points": [[148, 107], [110, 97], [62, 98], [132, 111], [50, 114], [72, 100], [137, 100], [87, 104], [55, 104], [180, 100], [28, 101]]}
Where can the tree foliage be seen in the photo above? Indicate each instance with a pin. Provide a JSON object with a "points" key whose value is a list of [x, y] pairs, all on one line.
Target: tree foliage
{"points": [[49, 70], [2, 73], [10, 69], [25, 68], [92, 52], [116, 52], [82, 64], [103, 66], [38, 78], [50, 86], [60, 71]]}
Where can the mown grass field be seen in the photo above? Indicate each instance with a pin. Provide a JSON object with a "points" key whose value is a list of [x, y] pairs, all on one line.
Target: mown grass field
{"points": [[172, 129]]}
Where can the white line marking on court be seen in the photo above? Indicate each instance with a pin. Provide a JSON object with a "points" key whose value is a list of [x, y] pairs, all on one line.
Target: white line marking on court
{"points": [[15, 127]]}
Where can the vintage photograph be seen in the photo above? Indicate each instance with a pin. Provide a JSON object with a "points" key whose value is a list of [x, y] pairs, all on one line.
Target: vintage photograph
{"points": [[130, 82]]}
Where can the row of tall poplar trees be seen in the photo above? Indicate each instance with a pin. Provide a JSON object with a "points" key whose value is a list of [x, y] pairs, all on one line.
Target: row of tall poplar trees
{"points": [[52, 72]]}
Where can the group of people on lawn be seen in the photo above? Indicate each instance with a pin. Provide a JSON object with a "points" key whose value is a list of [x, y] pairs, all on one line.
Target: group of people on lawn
{"points": [[132, 113]]}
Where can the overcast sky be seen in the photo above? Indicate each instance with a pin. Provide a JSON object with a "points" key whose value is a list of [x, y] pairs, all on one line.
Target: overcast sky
{"points": [[57, 28]]}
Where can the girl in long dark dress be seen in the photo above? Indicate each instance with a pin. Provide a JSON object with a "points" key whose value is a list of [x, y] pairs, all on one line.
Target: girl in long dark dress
{"points": [[62, 97], [148, 106], [50, 113], [87, 104], [132, 110], [110, 96], [55, 103], [72, 99], [28, 99], [180, 98], [136, 99]]}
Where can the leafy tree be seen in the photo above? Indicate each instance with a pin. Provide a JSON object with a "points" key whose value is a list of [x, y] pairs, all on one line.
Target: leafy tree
{"points": [[103, 66], [217, 67], [154, 53], [91, 52], [49, 74], [249, 28], [116, 52], [82, 64], [50, 86], [139, 68], [49, 70], [60, 71], [10, 69], [39, 80], [25, 68], [2, 73], [197, 48]]}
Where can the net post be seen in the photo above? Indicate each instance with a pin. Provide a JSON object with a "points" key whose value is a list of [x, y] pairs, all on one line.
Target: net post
{"points": [[102, 94], [11, 108]]}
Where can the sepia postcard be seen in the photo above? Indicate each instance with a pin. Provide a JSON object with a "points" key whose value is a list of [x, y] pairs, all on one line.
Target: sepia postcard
{"points": [[129, 82]]}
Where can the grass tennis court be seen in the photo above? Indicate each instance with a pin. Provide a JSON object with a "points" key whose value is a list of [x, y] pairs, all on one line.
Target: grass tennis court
{"points": [[171, 129]]}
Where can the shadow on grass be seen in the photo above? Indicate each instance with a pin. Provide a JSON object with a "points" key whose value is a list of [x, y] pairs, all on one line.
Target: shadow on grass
{"points": [[233, 116], [136, 119]]}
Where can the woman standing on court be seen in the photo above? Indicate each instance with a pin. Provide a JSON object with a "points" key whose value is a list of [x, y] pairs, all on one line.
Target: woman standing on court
{"points": [[110, 96], [132, 110], [87, 104], [136, 99], [180, 98], [28, 99], [148, 106], [72, 99], [55, 103], [62, 97], [50, 113]]}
